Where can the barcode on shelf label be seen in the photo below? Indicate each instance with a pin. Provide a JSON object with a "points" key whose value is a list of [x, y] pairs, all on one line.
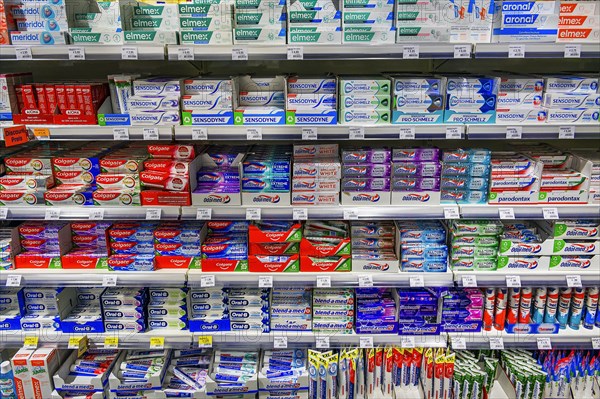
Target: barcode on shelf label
{"points": [[356, 133], [254, 133], [109, 281], [322, 342], [416, 281], [496, 343], [350, 214], [121, 133], [514, 132], [309, 133], [153, 214], [506, 213], [513, 281], [23, 53], [462, 51], [300, 214], [516, 51], [31, 342], [407, 341], [596, 343], [453, 132], [129, 53], [13, 280], [365, 280], [205, 341], [566, 132], [239, 54], [111, 343], [3, 213], [207, 280], [185, 54], [407, 133], [323, 282], [295, 53], [550, 213], [459, 343], [280, 342], [96, 214], [265, 281], [410, 52], [52, 214], [451, 212], [253, 213], [544, 343], [469, 281], [150, 133], [572, 50], [200, 133], [76, 53], [157, 343], [573, 281], [365, 342], [203, 214]]}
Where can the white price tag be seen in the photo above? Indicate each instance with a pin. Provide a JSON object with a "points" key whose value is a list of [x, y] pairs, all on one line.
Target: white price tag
{"points": [[153, 213], [280, 342], [516, 51], [365, 280], [572, 50], [23, 53], [573, 281], [416, 281], [185, 54], [109, 280], [407, 341], [462, 51], [97, 214], [200, 133], [121, 133], [407, 133], [3, 213], [566, 132], [469, 281], [356, 133], [239, 54], [350, 214], [76, 53], [295, 53], [13, 280], [265, 281], [513, 281], [365, 342], [203, 214], [254, 133], [453, 133], [544, 343], [323, 282], [506, 213], [459, 343], [514, 132], [151, 133], [451, 212], [253, 214], [300, 214], [129, 53], [207, 280], [550, 213], [322, 342], [410, 52], [309, 133], [596, 343], [52, 214], [496, 343]]}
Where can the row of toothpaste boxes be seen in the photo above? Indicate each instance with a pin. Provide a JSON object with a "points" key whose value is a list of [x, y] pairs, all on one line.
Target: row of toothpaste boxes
{"points": [[405, 311]]}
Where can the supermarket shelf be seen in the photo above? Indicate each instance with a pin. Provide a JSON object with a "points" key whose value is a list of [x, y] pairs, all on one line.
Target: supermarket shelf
{"points": [[531, 132], [497, 278], [534, 50], [566, 338], [381, 212], [305, 279], [95, 278], [61, 52], [93, 132], [485, 211], [87, 212], [324, 132], [320, 52]]}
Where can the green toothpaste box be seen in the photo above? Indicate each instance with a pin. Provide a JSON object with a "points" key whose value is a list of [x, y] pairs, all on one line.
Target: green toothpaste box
{"points": [[149, 37], [259, 35], [205, 37], [314, 35], [153, 23], [94, 36], [364, 85], [369, 35], [205, 23]]}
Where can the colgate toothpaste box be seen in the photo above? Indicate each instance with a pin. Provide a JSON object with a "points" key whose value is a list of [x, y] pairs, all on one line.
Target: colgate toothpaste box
{"points": [[172, 151], [329, 264], [91, 164], [131, 262], [116, 197], [132, 232], [69, 194], [190, 233], [315, 198], [274, 263], [224, 265], [117, 164], [167, 166], [276, 248], [165, 198], [89, 228], [89, 241], [164, 180], [85, 259], [55, 232], [108, 181], [266, 232], [26, 182], [177, 249], [21, 197], [314, 248], [28, 165], [49, 245], [127, 248], [74, 177]]}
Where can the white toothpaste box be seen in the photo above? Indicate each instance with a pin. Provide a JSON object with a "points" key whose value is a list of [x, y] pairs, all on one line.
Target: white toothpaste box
{"points": [[369, 17], [422, 34], [310, 101], [22, 373], [43, 364], [153, 103], [368, 34], [207, 86], [106, 16], [153, 23], [201, 10], [38, 38], [366, 198], [366, 101], [525, 21], [210, 23], [205, 37], [36, 25], [568, 8], [162, 10], [217, 101], [256, 83], [150, 37], [327, 116], [93, 36], [571, 84], [153, 118], [272, 17], [578, 35], [575, 115], [383, 5], [259, 35], [314, 35], [365, 116], [525, 115], [296, 84], [157, 86], [329, 17], [516, 100], [521, 84], [571, 100], [253, 115], [364, 85], [261, 98]]}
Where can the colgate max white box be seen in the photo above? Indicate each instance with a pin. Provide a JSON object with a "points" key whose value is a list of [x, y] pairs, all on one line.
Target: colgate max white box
{"points": [[22, 373]]}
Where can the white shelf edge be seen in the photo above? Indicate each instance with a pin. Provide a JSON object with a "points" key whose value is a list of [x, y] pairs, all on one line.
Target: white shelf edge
{"points": [[497, 278], [92, 53], [37, 212], [534, 50]]}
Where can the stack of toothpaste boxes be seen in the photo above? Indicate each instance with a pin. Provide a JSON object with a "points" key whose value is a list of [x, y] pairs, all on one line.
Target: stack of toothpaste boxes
{"points": [[474, 244], [226, 247], [151, 23], [418, 311], [316, 175], [376, 311], [90, 243], [38, 23], [125, 309], [333, 310], [46, 307], [465, 176], [9, 104], [368, 22], [205, 22], [291, 309], [167, 309], [565, 178], [155, 101], [325, 247], [42, 242], [311, 101], [422, 246], [418, 99], [365, 100], [131, 246], [532, 21], [416, 176], [520, 100], [314, 22], [572, 99], [13, 308], [207, 101], [471, 99], [259, 22], [121, 89], [178, 243], [266, 176], [462, 310], [374, 247], [261, 101], [515, 178], [366, 190], [579, 22], [98, 23], [218, 178], [86, 315], [274, 246], [6, 249]]}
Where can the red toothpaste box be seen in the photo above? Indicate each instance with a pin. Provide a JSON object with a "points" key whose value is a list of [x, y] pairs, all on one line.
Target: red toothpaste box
{"points": [[310, 248], [274, 264], [121, 164], [174, 167], [224, 265], [172, 151], [329, 264], [274, 248], [165, 198], [293, 234], [165, 180], [39, 261]]}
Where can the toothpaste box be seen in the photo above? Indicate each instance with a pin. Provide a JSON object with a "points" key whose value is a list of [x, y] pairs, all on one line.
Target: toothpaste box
{"points": [[153, 118], [516, 21], [571, 84], [364, 117], [37, 38], [314, 35], [261, 98], [209, 23], [364, 85], [274, 16], [193, 103], [157, 86], [269, 115], [149, 37], [92, 36], [205, 37], [259, 35], [571, 100], [153, 103], [573, 115]]}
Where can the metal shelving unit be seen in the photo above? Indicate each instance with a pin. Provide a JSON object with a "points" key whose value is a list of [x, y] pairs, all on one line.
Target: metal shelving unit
{"points": [[497, 278], [41, 212], [91, 53], [487, 211], [534, 132], [534, 50], [104, 133]]}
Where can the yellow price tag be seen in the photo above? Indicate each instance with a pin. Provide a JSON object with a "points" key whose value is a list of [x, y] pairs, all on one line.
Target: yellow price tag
{"points": [[41, 133], [205, 341], [31, 342], [79, 343], [157, 343], [111, 343]]}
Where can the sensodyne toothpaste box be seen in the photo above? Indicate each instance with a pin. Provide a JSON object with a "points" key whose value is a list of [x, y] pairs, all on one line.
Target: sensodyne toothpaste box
{"points": [[509, 115], [207, 86], [571, 84], [153, 118], [571, 100], [253, 115], [574, 115]]}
